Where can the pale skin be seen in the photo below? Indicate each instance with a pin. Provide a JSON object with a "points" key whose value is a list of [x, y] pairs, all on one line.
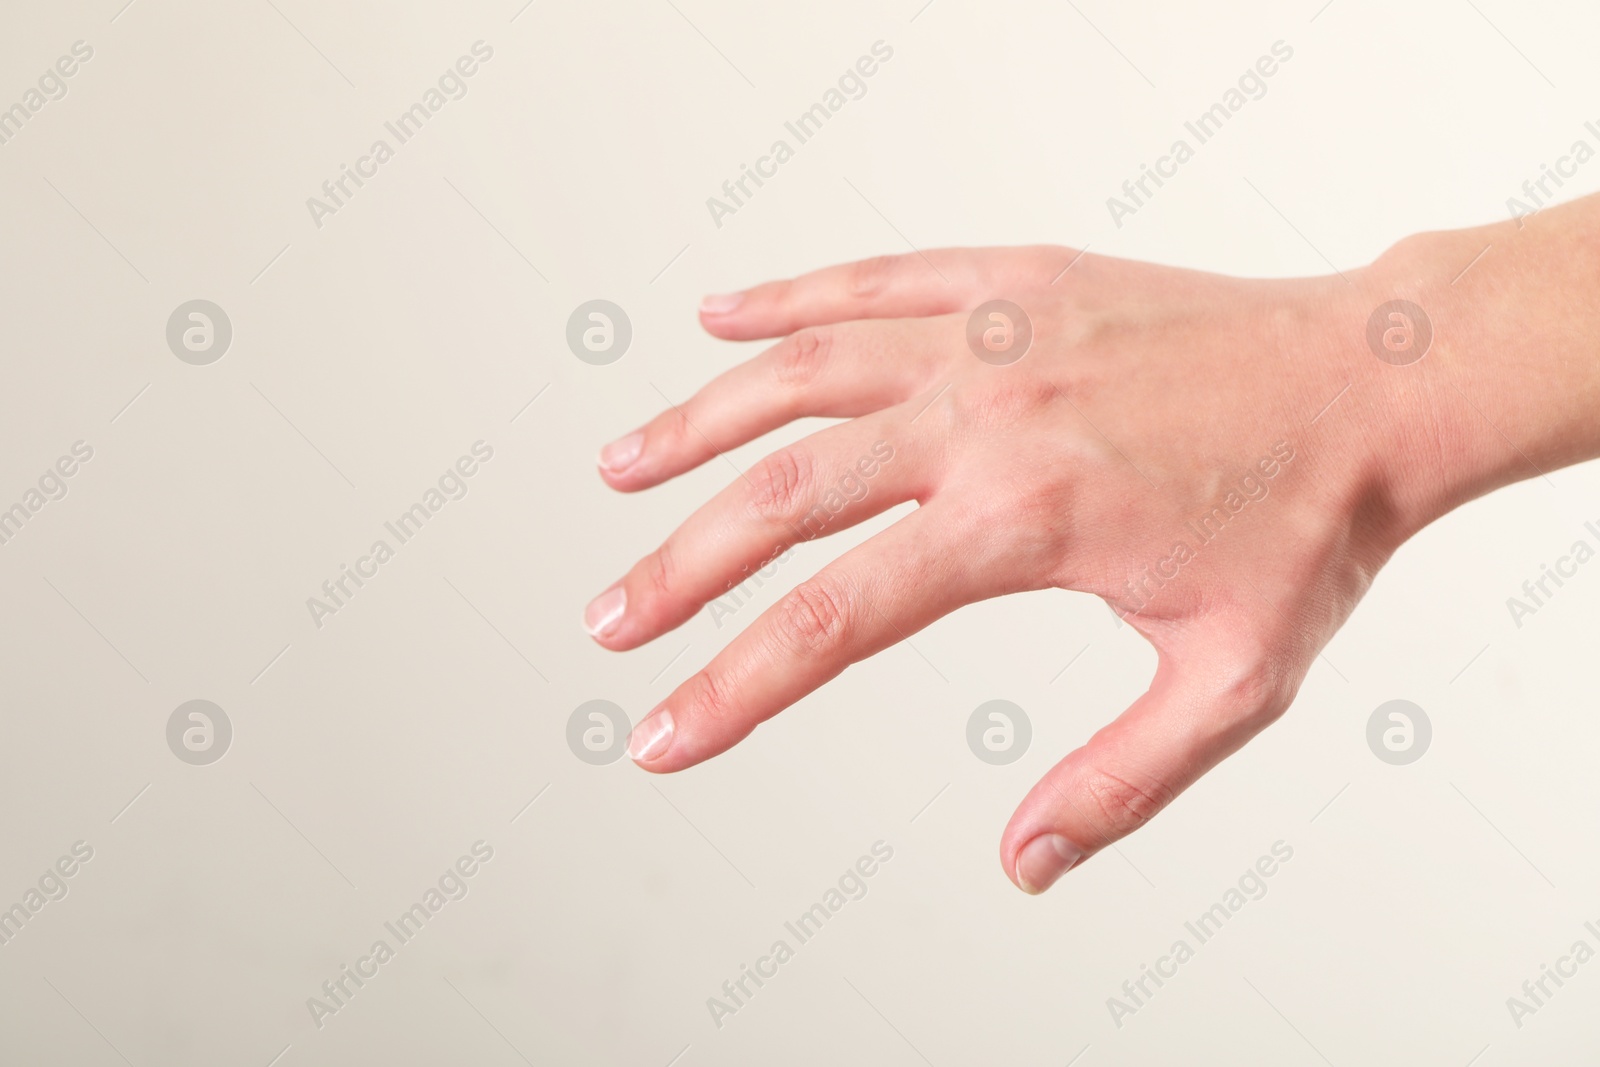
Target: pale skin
{"points": [[1147, 396]]}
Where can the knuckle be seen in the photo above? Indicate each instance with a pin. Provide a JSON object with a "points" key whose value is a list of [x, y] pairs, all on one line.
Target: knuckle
{"points": [[872, 277], [671, 428], [1003, 404], [779, 294], [779, 484], [1041, 523], [658, 573], [1050, 260], [1126, 800], [814, 617], [800, 359], [1087, 325], [707, 698], [1249, 660], [1257, 684]]}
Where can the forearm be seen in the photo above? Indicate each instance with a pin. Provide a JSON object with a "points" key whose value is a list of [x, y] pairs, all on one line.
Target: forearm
{"points": [[1510, 387]]}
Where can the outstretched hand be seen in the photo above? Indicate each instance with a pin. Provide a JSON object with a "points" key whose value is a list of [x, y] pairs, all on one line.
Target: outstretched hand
{"points": [[1227, 463]]}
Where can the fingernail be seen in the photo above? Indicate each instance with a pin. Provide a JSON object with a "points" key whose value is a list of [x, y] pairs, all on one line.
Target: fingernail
{"points": [[651, 737], [1043, 860], [618, 456], [600, 618], [721, 303]]}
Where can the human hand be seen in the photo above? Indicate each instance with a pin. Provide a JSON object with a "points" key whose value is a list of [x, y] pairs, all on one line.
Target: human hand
{"points": [[1223, 461]]}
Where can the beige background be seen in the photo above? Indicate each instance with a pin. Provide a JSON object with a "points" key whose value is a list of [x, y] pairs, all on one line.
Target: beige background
{"points": [[370, 353]]}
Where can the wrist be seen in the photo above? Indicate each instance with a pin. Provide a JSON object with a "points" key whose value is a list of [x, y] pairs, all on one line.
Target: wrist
{"points": [[1501, 379]]}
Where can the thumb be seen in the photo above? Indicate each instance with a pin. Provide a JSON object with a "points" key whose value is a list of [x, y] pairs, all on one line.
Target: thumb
{"points": [[1202, 707]]}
